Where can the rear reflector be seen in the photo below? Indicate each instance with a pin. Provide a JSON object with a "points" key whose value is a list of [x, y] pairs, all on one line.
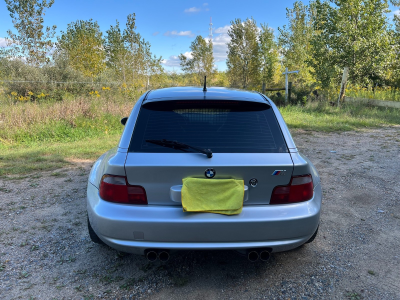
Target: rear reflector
{"points": [[116, 189], [299, 189]]}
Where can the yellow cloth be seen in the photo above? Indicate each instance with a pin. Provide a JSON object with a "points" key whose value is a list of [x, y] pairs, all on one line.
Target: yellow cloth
{"points": [[220, 196]]}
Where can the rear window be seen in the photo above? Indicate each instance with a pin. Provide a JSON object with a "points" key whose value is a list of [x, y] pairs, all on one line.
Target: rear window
{"points": [[222, 126]]}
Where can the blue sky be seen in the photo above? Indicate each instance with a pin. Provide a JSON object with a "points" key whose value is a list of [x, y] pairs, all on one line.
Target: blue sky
{"points": [[169, 26]]}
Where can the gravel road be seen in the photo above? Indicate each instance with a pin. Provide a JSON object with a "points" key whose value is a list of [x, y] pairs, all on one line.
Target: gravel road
{"points": [[46, 253]]}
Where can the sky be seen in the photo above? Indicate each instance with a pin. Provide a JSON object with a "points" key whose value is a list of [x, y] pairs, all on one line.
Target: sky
{"points": [[169, 26]]}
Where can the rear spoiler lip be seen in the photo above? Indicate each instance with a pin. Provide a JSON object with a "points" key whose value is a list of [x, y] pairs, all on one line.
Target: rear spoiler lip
{"points": [[265, 98], [145, 101]]}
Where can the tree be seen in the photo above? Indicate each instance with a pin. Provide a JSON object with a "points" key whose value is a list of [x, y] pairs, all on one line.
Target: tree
{"points": [[134, 46], [83, 46], [352, 33], [396, 45], [295, 42], [243, 56], [268, 52], [33, 41], [141, 62], [201, 62], [116, 51]]}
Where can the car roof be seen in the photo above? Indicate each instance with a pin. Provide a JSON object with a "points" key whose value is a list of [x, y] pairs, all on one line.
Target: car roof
{"points": [[197, 93]]}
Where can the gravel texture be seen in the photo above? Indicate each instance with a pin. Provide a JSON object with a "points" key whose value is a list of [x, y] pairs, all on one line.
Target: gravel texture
{"points": [[46, 253]]}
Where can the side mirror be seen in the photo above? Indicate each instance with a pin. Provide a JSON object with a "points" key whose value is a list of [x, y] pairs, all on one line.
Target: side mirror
{"points": [[123, 120]]}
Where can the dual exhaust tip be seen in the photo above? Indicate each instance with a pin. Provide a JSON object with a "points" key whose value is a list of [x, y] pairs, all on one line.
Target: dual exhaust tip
{"points": [[262, 254], [252, 255], [153, 255]]}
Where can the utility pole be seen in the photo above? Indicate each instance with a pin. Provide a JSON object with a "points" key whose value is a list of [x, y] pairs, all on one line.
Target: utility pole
{"points": [[286, 73]]}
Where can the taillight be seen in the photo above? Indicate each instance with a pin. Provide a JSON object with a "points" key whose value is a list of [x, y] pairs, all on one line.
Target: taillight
{"points": [[116, 189], [299, 189]]}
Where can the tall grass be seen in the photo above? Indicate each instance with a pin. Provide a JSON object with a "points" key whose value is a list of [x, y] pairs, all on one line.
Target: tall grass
{"points": [[379, 93], [63, 121]]}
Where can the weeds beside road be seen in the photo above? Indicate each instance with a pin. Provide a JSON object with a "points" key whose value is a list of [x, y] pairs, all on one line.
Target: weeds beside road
{"points": [[46, 253]]}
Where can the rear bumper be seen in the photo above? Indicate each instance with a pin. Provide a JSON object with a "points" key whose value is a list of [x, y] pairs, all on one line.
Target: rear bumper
{"points": [[133, 228]]}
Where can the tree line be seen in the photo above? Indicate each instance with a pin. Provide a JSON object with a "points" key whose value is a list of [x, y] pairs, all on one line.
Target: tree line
{"points": [[320, 39], [81, 51]]}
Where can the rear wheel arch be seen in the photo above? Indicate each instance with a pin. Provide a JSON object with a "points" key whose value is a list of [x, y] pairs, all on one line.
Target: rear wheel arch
{"points": [[93, 236]]}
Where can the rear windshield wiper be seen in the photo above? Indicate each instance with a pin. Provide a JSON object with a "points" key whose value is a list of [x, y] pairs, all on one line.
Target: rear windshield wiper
{"points": [[179, 146]]}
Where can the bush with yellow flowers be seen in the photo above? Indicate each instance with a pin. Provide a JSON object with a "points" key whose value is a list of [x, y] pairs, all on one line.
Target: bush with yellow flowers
{"points": [[94, 94]]}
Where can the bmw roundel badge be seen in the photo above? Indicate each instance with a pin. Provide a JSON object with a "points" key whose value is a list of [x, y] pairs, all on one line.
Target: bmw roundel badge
{"points": [[210, 173]]}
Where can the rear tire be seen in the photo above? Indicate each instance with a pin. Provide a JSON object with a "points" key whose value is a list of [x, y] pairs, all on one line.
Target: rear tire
{"points": [[93, 236], [313, 236]]}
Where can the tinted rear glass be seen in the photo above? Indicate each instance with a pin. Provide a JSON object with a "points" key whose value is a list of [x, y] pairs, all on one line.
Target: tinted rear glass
{"points": [[222, 126]]}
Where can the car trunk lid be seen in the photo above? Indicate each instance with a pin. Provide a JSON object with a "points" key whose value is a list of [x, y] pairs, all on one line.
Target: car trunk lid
{"points": [[161, 173]]}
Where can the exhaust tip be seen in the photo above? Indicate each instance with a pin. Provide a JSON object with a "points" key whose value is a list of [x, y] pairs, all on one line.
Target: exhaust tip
{"points": [[151, 256], [252, 256], [265, 255], [163, 256]]}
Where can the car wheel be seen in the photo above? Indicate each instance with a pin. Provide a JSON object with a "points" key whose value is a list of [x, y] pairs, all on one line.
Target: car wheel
{"points": [[313, 236], [93, 236]]}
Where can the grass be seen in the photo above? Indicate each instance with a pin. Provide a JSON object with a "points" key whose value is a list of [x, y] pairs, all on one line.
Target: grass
{"points": [[322, 117], [36, 157], [48, 136]]}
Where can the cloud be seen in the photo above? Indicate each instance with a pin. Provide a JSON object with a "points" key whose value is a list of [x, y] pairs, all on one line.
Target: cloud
{"points": [[180, 33], [188, 54], [192, 10], [197, 9], [156, 33], [222, 29], [172, 61], [394, 13], [219, 43], [3, 42]]}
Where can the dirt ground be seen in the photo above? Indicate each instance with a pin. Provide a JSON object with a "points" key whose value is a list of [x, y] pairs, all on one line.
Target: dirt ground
{"points": [[46, 253]]}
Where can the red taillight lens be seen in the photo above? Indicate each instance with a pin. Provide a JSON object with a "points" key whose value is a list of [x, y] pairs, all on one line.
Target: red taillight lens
{"points": [[116, 189], [299, 189]]}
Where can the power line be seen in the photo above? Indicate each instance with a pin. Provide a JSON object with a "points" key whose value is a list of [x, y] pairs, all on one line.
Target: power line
{"points": [[60, 82]]}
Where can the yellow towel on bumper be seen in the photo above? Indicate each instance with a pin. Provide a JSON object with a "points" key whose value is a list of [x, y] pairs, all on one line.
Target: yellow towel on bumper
{"points": [[220, 196]]}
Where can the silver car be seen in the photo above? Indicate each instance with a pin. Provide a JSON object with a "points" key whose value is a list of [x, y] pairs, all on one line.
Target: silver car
{"points": [[134, 190]]}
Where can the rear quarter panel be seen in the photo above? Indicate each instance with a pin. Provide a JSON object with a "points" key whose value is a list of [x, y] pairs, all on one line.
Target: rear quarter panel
{"points": [[302, 165], [111, 162]]}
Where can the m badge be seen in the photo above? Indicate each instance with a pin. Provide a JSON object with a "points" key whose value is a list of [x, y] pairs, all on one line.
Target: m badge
{"points": [[279, 173]]}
